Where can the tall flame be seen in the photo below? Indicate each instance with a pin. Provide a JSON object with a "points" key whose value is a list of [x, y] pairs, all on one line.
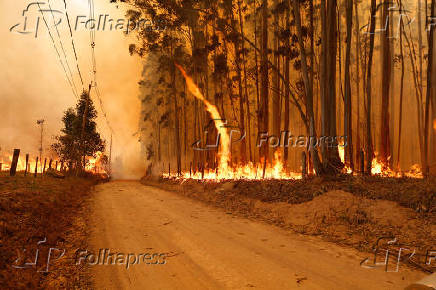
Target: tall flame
{"points": [[274, 170], [224, 146]]}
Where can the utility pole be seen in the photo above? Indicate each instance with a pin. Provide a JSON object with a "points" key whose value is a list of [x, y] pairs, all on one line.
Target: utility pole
{"points": [[110, 157], [85, 113], [41, 123]]}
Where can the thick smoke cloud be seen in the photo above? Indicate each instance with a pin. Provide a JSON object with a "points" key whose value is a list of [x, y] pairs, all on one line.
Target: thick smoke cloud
{"points": [[34, 85]]}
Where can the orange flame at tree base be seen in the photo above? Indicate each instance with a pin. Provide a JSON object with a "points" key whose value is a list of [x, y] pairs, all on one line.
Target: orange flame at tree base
{"points": [[250, 171]]}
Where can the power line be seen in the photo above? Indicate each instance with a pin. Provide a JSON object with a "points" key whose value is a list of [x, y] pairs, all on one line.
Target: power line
{"points": [[94, 64], [56, 49], [72, 42], [62, 46]]}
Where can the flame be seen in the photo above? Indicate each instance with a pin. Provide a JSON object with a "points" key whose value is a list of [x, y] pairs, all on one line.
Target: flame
{"points": [[434, 124], [341, 150], [95, 164], [381, 169], [249, 171], [273, 170], [6, 161], [224, 148]]}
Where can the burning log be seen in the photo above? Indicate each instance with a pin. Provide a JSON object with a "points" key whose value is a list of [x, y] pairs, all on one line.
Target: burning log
{"points": [[14, 163]]}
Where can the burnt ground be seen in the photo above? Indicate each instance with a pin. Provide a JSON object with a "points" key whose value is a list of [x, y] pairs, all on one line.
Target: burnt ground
{"points": [[351, 211], [32, 209]]}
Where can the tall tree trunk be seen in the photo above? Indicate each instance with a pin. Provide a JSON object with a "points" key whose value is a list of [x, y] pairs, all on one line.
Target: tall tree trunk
{"points": [[400, 118], [357, 79], [308, 88], [275, 77], [264, 77], [176, 121], [347, 101], [425, 167], [236, 44], [287, 92], [369, 148], [331, 160], [386, 77], [247, 101]]}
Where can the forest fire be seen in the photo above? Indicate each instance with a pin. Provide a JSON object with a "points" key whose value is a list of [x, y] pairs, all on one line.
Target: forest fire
{"points": [[6, 160], [263, 170], [96, 164]]}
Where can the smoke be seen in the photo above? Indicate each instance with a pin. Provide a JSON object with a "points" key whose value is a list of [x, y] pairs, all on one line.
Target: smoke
{"points": [[34, 85]]}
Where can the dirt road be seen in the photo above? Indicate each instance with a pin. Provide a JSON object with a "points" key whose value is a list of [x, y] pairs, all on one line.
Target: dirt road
{"points": [[210, 249]]}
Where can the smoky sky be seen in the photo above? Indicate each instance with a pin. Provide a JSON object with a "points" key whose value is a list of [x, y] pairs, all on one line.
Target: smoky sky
{"points": [[34, 85]]}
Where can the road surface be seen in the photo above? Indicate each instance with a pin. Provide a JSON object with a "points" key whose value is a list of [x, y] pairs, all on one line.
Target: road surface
{"points": [[208, 248]]}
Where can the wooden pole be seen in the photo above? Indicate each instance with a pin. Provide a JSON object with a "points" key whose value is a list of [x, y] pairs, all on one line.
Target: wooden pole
{"points": [[14, 163], [62, 166], [362, 162], [190, 169], [169, 169], [264, 167], [303, 164], [36, 166], [1, 164], [84, 118], [56, 165], [45, 163], [49, 163], [27, 164]]}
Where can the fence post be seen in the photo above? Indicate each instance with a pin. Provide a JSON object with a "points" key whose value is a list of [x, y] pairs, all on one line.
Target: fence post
{"points": [[27, 164], [14, 163], [36, 167], [45, 163]]}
